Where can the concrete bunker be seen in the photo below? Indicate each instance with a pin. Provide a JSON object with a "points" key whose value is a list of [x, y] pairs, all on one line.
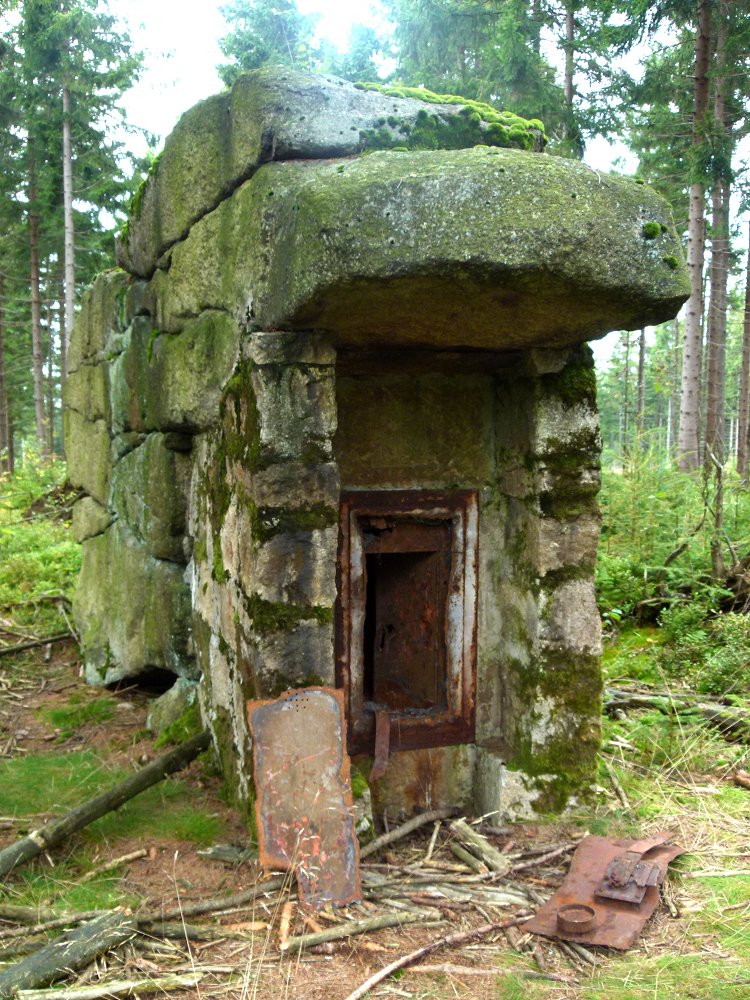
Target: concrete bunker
{"points": [[334, 422]]}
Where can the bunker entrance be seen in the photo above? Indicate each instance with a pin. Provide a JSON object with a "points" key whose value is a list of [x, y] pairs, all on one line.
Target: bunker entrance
{"points": [[406, 644], [408, 571]]}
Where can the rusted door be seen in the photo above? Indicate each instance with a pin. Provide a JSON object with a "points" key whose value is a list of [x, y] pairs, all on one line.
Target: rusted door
{"points": [[408, 569], [406, 617]]}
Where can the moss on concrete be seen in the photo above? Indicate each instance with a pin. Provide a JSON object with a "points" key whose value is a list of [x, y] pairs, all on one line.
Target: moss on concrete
{"points": [[476, 123], [267, 522], [271, 616], [187, 725]]}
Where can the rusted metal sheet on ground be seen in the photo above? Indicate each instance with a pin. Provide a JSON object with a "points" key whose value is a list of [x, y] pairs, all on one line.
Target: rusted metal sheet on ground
{"points": [[583, 908], [304, 807]]}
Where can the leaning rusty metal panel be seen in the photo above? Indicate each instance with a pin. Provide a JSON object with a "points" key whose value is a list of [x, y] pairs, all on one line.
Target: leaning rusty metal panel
{"points": [[304, 808], [579, 911]]}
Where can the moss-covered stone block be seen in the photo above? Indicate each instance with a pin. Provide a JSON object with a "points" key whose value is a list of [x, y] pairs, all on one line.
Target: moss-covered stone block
{"points": [[101, 315], [279, 114], [431, 259], [149, 493], [173, 381], [133, 611], [87, 445], [86, 390], [89, 518], [562, 252]]}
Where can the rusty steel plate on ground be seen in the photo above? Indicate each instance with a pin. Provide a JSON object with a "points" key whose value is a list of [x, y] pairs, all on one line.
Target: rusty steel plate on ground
{"points": [[304, 807], [614, 923]]}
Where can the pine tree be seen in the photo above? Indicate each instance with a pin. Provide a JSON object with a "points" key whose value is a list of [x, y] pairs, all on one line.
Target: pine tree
{"points": [[262, 33]]}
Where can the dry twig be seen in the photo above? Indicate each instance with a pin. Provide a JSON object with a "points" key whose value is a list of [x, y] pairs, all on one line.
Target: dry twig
{"points": [[451, 941]]}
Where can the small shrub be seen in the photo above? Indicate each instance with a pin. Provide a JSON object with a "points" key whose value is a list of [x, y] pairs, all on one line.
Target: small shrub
{"points": [[682, 619], [726, 667]]}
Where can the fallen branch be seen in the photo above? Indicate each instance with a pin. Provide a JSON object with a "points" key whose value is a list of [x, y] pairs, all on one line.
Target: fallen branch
{"points": [[216, 905], [468, 859], [7, 650], [178, 930], [731, 725], [616, 784], [111, 865], [60, 829], [404, 830], [544, 858], [32, 914], [481, 847], [116, 987], [71, 952], [451, 941], [350, 928], [39, 599]]}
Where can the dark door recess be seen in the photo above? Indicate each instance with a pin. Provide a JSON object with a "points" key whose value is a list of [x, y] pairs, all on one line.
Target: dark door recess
{"points": [[406, 616]]}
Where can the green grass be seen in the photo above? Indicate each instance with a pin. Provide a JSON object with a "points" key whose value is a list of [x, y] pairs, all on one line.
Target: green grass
{"points": [[634, 656], [48, 783], [692, 975], [78, 713], [171, 810]]}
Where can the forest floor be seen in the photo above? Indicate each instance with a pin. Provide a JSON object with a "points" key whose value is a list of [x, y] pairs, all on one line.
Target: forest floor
{"points": [[62, 741]]}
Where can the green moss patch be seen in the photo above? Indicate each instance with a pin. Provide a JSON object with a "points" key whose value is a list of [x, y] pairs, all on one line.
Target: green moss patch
{"points": [[189, 724], [475, 124], [270, 616]]}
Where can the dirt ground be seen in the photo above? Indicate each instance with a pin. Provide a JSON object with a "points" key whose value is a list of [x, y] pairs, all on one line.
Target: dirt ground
{"points": [[242, 959]]}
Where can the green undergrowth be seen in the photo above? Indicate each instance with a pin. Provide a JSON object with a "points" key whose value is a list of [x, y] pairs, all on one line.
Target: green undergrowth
{"points": [[676, 774], [38, 554], [650, 511], [79, 712], [695, 650], [37, 785]]}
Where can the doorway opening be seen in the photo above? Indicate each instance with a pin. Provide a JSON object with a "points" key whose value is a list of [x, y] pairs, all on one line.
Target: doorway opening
{"points": [[406, 630]]}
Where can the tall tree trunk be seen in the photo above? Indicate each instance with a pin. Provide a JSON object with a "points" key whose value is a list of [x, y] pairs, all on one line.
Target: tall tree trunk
{"points": [[744, 404], [674, 391], [689, 442], [717, 326], [50, 362], [36, 311], [626, 397], [4, 417], [641, 412], [717, 311], [536, 20], [70, 277], [568, 89]]}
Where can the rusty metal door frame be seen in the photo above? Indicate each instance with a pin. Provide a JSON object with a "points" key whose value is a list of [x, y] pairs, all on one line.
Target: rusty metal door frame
{"points": [[459, 509]]}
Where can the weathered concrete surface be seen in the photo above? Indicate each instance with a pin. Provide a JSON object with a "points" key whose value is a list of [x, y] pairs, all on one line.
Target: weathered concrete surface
{"points": [[133, 611], [480, 248], [270, 114]]}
